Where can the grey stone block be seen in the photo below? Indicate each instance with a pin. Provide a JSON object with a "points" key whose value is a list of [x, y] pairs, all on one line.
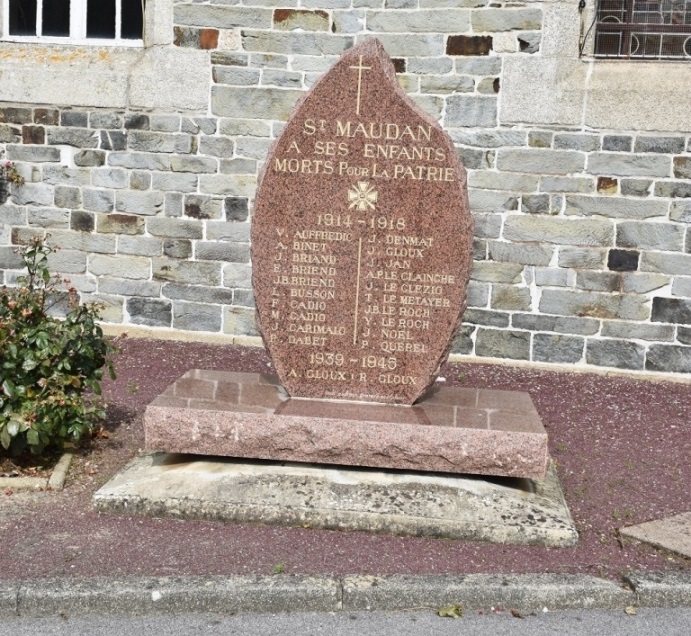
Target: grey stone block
{"points": [[84, 241], [208, 165], [472, 158], [477, 294], [620, 354], [525, 254], [429, 65], [529, 41], [557, 349], [654, 236], [120, 224], [287, 79], [446, 84], [497, 272], [198, 294], [638, 283], [165, 123], [471, 111], [536, 204], [492, 180], [256, 148], [90, 158], [239, 321], [33, 154], [140, 180], [239, 166], [173, 204], [637, 331], [669, 358], [41, 217], [551, 277], [289, 43], [10, 258], [199, 206], [540, 161], [510, 298], [237, 275], [625, 165], [78, 137], [149, 311], [33, 194], [614, 207], [236, 75], [666, 263], [263, 103], [81, 221], [598, 281], [197, 317], [635, 187], [582, 258], [673, 189], [55, 175], [68, 197], [177, 248], [109, 178], [577, 141], [478, 65], [486, 318], [111, 306], [139, 245], [559, 231], [244, 297], [134, 267], [222, 251], [659, 144], [617, 143], [558, 324], [139, 160], [174, 182], [489, 139], [268, 60], [143, 203], [174, 228], [564, 302], [462, 341], [145, 141], [673, 310], [188, 272], [540, 139], [684, 335], [682, 167], [490, 201], [222, 17], [584, 185], [245, 128], [217, 146], [440, 21], [405, 45], [681, 286], [506, 19], [98, 200], [121, 287], [74, 118], [496, 343]]}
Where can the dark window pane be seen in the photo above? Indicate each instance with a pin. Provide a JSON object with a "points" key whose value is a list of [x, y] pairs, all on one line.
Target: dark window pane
{"points": [[22, 17], [56, 18], [132, 19], [100, 19]]}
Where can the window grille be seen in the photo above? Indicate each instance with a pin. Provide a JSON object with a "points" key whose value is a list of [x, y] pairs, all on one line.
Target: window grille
{"points": [[643, 29], [75, 21]]}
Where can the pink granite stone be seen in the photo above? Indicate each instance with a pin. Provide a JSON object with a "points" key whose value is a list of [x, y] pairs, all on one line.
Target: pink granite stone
{"points": [[361, 239], [455, 430]]}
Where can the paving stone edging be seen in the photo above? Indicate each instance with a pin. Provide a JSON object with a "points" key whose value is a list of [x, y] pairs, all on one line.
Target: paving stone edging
{"points": [[288, 593], [56, 481]]}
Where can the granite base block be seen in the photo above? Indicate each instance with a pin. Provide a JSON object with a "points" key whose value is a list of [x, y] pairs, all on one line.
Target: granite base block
{"points": [[499, 510], [450, 430]]}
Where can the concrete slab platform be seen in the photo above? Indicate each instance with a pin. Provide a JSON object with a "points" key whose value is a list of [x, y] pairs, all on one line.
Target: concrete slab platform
{"points": [[672, 533], [501, 510], [450, 430]]}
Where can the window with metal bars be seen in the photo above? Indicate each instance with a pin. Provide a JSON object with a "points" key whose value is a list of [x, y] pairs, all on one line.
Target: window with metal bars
{"points": [[643, 29], [74, 21]]}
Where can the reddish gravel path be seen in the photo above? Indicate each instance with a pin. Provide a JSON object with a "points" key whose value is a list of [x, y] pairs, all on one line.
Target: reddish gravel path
{"points": [[622, 447]]}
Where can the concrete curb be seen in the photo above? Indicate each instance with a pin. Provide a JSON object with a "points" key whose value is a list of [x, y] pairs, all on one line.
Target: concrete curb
{"points": [[56, 481], [288, 593]]}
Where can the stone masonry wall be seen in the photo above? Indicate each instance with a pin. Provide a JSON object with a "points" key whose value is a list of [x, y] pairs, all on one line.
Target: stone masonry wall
{"points": [[582, 249]]}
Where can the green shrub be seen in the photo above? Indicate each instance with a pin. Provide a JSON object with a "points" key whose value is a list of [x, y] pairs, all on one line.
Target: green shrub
{"points": [[50, 369]]}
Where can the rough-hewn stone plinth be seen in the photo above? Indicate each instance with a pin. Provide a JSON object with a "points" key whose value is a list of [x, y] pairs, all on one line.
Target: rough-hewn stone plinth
{"points": [[455, 430]]}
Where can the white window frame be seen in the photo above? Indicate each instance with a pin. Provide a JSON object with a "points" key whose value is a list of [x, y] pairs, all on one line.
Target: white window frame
{"points": [[77, 28]]}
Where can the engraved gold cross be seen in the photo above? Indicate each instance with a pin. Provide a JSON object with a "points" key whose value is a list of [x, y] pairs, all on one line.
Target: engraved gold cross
{"points": [[359, 69]]}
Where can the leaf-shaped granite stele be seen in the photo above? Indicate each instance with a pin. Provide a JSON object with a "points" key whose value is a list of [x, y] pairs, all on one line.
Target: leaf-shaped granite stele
{"points": [[361, 239]]}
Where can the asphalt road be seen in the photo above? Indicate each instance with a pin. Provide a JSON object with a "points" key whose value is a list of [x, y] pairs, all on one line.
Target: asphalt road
{"points": [[646, 622]]}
